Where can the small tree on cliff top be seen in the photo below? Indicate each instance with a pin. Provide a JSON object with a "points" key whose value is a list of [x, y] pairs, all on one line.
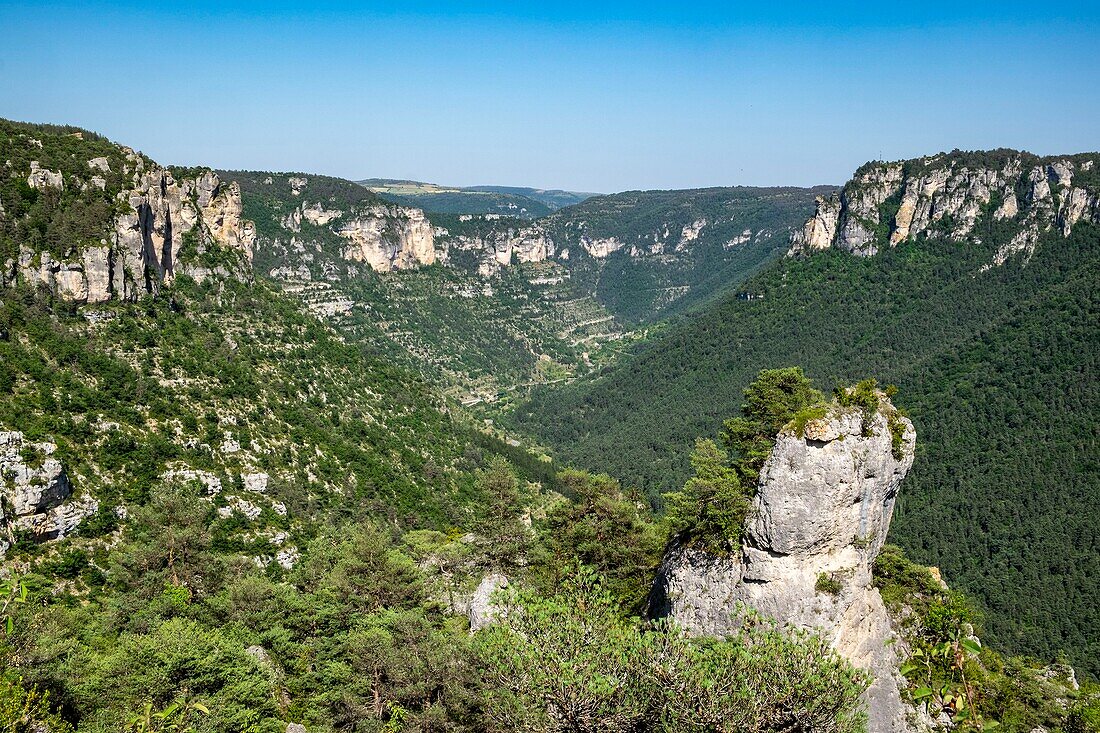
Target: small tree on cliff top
{"points": [[710, 511], [771, 401]]}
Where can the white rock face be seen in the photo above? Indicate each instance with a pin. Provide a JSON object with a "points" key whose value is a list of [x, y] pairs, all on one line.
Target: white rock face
{"points": [[482, 609], [822, 508], [40, 178], [820, 231], [211, 483], [100, 164], [501, 246], [297, 184], [36, 491], [318, 215], [691, 232], [601, 247], [255, 482], [389, 238], [742, 238], [944, 198], [143, 250]]}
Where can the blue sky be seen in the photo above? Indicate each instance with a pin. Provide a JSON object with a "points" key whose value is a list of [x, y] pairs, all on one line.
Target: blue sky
{"points": [[586, 96]]}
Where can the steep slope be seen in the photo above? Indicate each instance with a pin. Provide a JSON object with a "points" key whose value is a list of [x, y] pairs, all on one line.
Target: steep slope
{"points": [[219, 514], [219, 379], [995, 362]]}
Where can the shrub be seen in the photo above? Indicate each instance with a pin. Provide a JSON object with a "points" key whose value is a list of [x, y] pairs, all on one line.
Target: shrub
{"points": [[828, 583], [572, 663]]}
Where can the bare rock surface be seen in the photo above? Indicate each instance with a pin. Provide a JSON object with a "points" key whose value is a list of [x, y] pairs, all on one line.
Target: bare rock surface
{"points": [[483, 611], [945, 196], [822, 511], [389, 238], [35, 493]]}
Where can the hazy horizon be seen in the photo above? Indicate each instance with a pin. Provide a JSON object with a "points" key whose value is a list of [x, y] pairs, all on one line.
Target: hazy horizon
{"points": [[574, 97]]}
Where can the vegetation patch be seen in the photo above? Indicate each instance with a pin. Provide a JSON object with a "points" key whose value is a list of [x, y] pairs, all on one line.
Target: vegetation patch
{"points": [[829, 584]]}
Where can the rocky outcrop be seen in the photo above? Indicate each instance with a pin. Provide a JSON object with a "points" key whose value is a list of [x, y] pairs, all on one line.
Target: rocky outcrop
{"points": [[389, 238], [600, 247], [169, 225], [820, 231], [35, 493], [166, 228], [945, 196], [483, 610], [500, 246], [691, 232], [820, 516], [42, 178]]}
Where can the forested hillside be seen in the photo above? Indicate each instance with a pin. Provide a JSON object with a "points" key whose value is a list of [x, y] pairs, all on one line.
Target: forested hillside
{"points": [[997, 367], [220, 513], [673, 249]]}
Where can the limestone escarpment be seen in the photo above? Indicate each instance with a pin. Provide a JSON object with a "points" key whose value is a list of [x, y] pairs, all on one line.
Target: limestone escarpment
{"points": [[163, 225], [317, 228], [389, 238], [819, 517], [946, 195], [499, 246], [35, 493]]}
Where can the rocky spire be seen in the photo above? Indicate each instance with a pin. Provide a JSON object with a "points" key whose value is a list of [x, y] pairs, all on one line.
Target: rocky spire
{"points": [[820, 516]]}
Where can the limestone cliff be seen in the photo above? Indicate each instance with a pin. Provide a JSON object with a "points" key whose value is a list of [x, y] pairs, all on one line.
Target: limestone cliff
{"points": [[946, 195], [499, 246], [819, 517], [164, 225], [318, 228], [389, 237]]}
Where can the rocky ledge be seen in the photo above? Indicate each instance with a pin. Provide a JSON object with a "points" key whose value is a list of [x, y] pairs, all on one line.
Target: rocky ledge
{"points": [[35, 493], [945, 196], [819, 518]]}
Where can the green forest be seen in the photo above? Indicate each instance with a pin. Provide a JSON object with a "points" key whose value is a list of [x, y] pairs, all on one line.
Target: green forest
{"points": [[997, 369]]}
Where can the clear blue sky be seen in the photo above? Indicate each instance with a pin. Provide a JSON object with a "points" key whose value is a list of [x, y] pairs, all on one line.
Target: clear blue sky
{"points": [[580, 95]]}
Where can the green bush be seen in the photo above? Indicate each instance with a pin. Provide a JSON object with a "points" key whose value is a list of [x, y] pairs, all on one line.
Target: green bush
{"points": [[570, 662], [24, 710], [828, 583]]}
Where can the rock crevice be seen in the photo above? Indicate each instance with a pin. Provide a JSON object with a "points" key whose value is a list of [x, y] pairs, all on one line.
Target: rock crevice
{"points": [[168, 226]]}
